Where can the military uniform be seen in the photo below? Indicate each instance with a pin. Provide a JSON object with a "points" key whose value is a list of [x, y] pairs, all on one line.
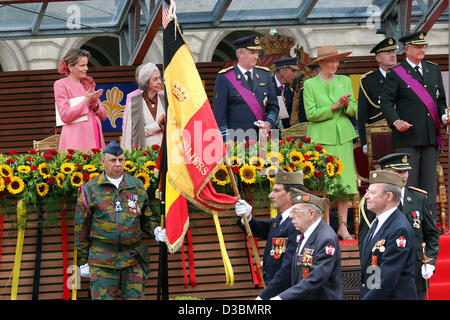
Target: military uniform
{"points": [[230, 109], [370, 88], [420, 140]]}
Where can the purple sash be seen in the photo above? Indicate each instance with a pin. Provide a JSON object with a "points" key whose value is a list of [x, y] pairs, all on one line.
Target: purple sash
{"points": [[246, 94], [425, 97]]}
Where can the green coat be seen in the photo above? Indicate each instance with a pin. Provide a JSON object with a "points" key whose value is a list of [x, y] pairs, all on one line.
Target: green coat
{"points": [[425, 232], [326, 126]]}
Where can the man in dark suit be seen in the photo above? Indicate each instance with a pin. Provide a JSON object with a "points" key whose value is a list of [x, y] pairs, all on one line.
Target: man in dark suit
{"points": [[244, 95], [286, 73], [316, 266], [279, 233], [414, 204], [370, 87], [387, 263], [413, 103]]}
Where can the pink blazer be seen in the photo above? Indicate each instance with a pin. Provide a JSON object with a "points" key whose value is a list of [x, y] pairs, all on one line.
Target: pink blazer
{"points": [[80, 135]]}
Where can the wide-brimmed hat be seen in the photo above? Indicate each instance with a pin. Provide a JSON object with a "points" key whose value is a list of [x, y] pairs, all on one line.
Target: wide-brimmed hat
{"points": [[329, 52]]}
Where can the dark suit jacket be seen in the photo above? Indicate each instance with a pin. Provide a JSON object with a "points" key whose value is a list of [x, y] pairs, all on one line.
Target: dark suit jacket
{"points": [[231, 110], [321, 278], [288, 93], [410, 108], [276, 271], [395, 264], [369, 110]]}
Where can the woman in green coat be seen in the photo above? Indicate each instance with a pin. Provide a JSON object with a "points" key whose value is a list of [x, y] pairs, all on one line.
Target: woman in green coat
{"points": [[328, 104]]}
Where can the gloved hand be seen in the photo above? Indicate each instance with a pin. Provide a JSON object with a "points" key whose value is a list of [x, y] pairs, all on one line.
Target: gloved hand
{"points": [[427, 271], [243, 208], [160, 234], [84, 271]]}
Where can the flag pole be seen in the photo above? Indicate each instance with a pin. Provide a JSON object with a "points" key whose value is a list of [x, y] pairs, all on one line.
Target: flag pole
{"points": [[247, 226]]}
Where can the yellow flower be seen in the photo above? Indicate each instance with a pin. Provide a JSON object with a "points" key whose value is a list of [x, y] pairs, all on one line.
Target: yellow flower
{"points": [[296, 157], [275, 157], [43, 170], [93, 175], [340, 167], [67, 167], [330, 169], [16, 186], [308, 169], [271, 172], [144, 178], [221, 176], [24, 169], [257, 162], [89, 167], [248, 173], [5, 171], [59, 179], [129, 166], [235, 161], [150, 166], [286, 168], [313, 155], [42, 189], [325, 151], [77, 179], [2, 184]]}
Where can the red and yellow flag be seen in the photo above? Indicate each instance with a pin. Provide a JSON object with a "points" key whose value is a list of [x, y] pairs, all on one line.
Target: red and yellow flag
{"points": [[193, 140]]}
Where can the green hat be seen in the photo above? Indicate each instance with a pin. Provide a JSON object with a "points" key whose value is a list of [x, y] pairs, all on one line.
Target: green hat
{"points": [[383, 176], [417, 37], [396, 161], [284, 177], [299, 196], [387, 44]]}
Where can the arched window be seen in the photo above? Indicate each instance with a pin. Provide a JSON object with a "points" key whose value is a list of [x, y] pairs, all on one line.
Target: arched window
{"points": [[104, 51], [225, 49]]}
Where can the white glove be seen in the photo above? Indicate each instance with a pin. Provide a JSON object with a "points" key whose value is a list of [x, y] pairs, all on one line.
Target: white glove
{"points": [[84, 271], [160, 234], [243, 208], [444, 118], [365, 149], [427, 271]]}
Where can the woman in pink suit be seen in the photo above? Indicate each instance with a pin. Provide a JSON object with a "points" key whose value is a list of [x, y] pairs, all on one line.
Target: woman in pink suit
{"points": [[78, 105]]}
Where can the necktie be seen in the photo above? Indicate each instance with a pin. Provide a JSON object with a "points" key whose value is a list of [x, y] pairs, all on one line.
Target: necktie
{"points": [[418, 72], [249, 80], [400, 206], [373, 227]]}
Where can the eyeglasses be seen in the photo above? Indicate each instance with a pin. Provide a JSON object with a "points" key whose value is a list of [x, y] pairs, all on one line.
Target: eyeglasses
{"points": [[296, 210]]}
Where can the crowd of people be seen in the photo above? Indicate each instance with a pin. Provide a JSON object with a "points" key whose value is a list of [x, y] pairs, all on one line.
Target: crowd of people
{"points": [[302, 255]]}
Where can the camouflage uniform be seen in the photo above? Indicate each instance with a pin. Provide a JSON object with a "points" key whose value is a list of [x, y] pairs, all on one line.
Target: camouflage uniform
{"points": [[106, 237]]}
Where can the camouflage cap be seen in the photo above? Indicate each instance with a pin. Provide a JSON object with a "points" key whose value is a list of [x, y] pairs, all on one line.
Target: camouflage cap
{"points": [[298, 196], [284, 177], [383, 176]]}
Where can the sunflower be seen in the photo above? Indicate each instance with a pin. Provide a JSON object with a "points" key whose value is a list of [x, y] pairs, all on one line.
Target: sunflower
{"points": [[271, 172], [129, 166], [67, 167], [59, 179], [150, 166], [313, 155], [308, 169], [16, 185], [43, 170], [248, 173], [296, 157], [42, 189], [24, 169], [93, 175], [235, 161], [89, 167], [286, 168], [257, 162], [340, 167], [5, 171], [77, 179], [2, 184], [275, 157], [330, 169], [144, 178], [221, 176]]}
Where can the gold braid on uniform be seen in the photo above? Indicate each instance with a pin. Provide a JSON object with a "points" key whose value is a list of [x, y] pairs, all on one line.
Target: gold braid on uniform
{"points": [[363, 212], [367, 96]]}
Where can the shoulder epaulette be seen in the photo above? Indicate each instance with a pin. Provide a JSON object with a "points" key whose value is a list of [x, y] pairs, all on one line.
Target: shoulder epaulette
{"points": [[263, 68], [431, 62], [366, 74], [226, 69], [418, 190], [389, 69]]}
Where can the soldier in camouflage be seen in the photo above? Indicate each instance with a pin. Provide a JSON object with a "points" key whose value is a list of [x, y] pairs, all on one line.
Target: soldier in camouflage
{"points": [[111, 214]]}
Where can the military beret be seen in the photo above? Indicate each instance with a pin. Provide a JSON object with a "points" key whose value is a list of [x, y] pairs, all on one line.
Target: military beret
{"points": [[113, 148], [387, 44], [396, 161], [299, 196], [383, 176], [286, 63], [284, 177], [249, 42], [417, 37]]}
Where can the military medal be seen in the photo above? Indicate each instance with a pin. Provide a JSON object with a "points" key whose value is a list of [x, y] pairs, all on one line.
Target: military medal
{"points": [[437, 94], [265, 101], [278, 247], [374, 261], [305, 272], [416, 217], [379, 245], [307, 257], [118, 206], [132, 204]]}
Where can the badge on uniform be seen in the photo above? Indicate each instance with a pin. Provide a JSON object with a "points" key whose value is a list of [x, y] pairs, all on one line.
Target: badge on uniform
{"points": [[133, 207], [330, 250], [401, 242], [118, 206], [416, 219], [278, 247], [379, 245], [306, 258], [305, 272], [374, 261]]}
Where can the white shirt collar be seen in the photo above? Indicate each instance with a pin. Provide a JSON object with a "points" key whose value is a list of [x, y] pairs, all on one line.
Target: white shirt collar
{"points": [[310, 230], [383, 217], [382, 72], [403, 195], [244, 70], [115, 182], [278, 82], [413, 65], [285, 215]]}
